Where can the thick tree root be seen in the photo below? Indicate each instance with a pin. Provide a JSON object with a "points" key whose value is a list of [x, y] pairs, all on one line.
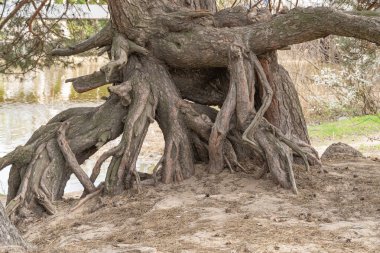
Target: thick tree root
{"points": [[39, 172], [16, 202], [71, 159], [178, 163], [199, 120], [262, 136], [156, 169], [148, 92], [136, 94], [96, 170], [220, 129], [192, 132], [10, 238]]}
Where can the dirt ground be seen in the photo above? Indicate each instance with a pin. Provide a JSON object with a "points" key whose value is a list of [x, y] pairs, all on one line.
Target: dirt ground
{"points": [[337, 210]]}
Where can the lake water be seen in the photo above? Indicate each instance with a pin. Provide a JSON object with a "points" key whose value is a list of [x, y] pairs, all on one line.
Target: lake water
{"points": [[29, 101]]}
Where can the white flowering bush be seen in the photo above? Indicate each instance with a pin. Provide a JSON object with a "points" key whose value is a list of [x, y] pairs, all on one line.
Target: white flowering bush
{"points": [[353, 85]]}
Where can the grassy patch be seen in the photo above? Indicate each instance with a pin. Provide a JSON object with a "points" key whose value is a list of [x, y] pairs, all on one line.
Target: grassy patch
{"points": [[352, 127]]}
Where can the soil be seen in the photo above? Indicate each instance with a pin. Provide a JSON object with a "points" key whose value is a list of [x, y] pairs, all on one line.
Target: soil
{"points": [[337, 210], [338, 150]]}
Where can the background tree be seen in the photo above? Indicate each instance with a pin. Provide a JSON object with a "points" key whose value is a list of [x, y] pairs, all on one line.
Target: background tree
{"points": [[170, 61]]}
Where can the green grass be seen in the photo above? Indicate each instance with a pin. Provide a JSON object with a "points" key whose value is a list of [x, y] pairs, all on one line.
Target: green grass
{"points": [[352, 127]]}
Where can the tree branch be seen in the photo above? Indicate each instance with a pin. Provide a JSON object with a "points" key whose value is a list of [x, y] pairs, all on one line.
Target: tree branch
{"points": [[100, 39], [33, 17], [209, 45], [89, 82], [13, 13]]}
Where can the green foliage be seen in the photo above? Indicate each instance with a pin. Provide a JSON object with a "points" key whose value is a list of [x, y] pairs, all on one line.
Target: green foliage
{"points": [[81, 30], [22, 51]]}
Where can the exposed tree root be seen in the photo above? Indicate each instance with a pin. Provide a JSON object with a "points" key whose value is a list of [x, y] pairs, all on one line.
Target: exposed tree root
{"points": [[196, 58], [266, 100], [220, 129], [240, 102], [45, 202], [39, 172], [147, 87], [10, 238], [71, 160], [192, 132], [156, 169], [178, 161], [16, 202], [141, 112], [96, 170], [88, 197], [260, 123], [228, 164], [21, 154]]}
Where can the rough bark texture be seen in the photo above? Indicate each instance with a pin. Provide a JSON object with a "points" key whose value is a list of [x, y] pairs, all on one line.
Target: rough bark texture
{"points": [[285, 111], [169, 61], [9, 236], [39, 172], [297, 26]]}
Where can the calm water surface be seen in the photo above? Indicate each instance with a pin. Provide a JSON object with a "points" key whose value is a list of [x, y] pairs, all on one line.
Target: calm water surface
{"points": [[29, 101]]}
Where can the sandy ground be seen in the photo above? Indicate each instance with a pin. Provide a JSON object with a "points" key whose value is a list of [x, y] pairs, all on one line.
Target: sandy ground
{"points": [[337, 210]]}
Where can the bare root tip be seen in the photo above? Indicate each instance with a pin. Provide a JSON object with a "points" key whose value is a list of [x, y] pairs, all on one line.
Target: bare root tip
{"points": [[88, 197], [228, 164]]}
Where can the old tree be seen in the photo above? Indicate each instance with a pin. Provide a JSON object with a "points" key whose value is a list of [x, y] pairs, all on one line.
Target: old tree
{"points": [[170, 61]]}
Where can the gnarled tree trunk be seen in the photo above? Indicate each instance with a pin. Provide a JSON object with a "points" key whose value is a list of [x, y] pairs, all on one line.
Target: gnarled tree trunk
{"points": [[170, 61]]}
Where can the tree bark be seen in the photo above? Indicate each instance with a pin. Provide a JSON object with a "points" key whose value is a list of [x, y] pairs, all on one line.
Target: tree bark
{"points": [[285, 111], [39, 172], [10, 238], [209, 45]]}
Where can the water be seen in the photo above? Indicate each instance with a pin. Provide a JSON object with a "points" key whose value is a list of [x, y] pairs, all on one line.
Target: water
{"points": [[48, 86], [29, 101]]}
